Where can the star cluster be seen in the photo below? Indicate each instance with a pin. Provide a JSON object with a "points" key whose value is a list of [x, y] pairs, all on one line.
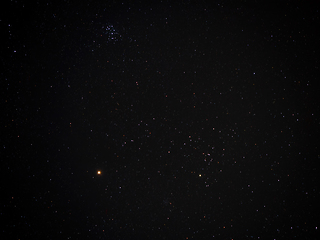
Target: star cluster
{"points": [[181, 121]]}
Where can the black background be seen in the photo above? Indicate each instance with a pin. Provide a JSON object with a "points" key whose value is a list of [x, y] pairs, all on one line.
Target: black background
{"points": [[203, 119]]}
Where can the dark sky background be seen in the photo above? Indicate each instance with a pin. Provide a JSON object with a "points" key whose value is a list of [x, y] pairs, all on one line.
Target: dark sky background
{"points": [[203, 119]]}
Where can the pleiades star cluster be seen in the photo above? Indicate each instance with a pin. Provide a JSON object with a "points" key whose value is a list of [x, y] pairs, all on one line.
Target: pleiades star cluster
{"points": [[159, 120]]}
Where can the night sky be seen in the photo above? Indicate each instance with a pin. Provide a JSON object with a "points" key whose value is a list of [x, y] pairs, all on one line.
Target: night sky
{"points": [[202, 118]]}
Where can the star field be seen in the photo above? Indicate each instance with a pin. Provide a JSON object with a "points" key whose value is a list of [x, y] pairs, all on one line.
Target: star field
{"points": [[190, 120]]}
